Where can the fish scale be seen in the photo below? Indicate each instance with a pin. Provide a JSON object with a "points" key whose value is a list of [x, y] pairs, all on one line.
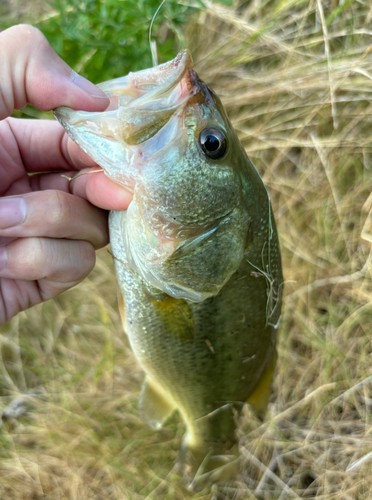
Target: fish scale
{"points": [[196, 255], [205, 380]]}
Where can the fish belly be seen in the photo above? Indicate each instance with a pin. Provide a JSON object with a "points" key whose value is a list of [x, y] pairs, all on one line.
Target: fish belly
{"points": [[205, 359]]}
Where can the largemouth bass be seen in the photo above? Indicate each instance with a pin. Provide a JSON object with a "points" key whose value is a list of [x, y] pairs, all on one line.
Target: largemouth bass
{"points": [[196, 254]]}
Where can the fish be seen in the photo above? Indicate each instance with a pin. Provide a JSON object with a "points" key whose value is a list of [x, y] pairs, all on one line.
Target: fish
{"points": [[196, 255]]}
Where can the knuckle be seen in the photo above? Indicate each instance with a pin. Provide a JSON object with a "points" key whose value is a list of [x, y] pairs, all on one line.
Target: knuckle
{"points": [[88, 254], [84, 261], [62, 260], [101, 236], [6, 133], [26, 33], [36, 253], [59, 210], [26, 54], [29, 256], [32, 33]]}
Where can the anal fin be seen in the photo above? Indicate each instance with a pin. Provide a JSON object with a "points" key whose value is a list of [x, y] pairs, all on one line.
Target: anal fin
{"points": [[154, 406]]}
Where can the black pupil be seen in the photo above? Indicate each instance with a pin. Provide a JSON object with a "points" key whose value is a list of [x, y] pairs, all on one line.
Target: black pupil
{"points": [[211, 143]]}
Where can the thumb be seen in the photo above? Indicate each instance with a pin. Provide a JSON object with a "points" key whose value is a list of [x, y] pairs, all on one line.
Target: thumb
{"points": [[32, 73]]}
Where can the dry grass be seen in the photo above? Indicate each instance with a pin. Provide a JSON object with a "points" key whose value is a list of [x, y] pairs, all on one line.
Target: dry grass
{"points": [[296, 81]]}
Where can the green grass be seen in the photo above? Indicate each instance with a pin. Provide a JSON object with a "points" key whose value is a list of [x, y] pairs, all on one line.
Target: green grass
{"points": [[295, 78], [104, 40]]}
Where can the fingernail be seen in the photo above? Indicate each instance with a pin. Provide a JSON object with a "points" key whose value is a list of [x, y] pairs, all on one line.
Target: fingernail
{"points": [[3, 258], [87, 86], [12, 212]]}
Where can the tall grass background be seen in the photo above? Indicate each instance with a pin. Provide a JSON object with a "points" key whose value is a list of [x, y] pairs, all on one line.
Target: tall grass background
{"points": [[295, 78]]}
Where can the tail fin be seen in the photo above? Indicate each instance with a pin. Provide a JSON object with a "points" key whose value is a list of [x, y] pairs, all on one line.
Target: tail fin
{"points": [[210, 463]]}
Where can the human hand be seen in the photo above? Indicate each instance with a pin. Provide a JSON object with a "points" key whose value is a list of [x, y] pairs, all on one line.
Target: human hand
{"points": [[49, 228]]}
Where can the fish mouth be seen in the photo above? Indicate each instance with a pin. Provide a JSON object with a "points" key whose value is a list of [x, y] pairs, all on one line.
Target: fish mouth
{"points": [[153, 83], [145, 113], [145, 101]]}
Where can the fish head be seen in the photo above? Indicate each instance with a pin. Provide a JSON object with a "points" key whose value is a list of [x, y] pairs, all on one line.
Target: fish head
{"points": [[167, 138]]}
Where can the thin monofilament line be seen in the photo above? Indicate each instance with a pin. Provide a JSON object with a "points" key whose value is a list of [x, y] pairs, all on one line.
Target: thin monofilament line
{"points": [[268, 273], [154, 54], [271, 231]]}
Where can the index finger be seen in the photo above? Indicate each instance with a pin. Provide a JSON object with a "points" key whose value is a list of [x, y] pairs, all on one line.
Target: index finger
{"points": [[91, 184], [44, 146]]}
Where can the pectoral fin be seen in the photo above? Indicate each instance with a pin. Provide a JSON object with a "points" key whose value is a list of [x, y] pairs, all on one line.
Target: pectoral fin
{"points": [[259, 399], [154, 406], [176, 317]]}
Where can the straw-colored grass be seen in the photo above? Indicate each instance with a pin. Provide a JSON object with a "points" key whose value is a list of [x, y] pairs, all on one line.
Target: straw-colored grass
{"points": [[296, 81]]}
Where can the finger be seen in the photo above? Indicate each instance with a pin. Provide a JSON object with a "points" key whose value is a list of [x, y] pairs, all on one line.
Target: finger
{"points": [[39, 145], [4, 241], [77, 156], [53, 214], [32, 73], [92, 185], [101, 191], [65, 262], [43, 145], [33, 270]]}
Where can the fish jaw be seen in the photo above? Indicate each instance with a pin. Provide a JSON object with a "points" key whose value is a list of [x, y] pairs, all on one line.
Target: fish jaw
{"points": [[141, 105]]}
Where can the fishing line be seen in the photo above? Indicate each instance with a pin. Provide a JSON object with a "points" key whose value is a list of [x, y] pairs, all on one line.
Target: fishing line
{"points": [[270, 309], [154, 52]]}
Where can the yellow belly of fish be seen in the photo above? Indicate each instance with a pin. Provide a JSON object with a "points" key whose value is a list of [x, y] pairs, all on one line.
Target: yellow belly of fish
{"points": [[209, 447]]}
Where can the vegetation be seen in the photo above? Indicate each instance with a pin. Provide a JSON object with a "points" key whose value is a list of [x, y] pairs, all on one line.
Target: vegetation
{"points": [[295, 78], [104, 40]]}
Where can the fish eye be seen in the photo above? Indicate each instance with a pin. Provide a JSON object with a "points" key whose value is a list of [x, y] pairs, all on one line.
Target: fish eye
{"points": [[213, 143]]}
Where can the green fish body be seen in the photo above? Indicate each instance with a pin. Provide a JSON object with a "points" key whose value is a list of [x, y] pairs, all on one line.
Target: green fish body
{"points": [[196, 255]]}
